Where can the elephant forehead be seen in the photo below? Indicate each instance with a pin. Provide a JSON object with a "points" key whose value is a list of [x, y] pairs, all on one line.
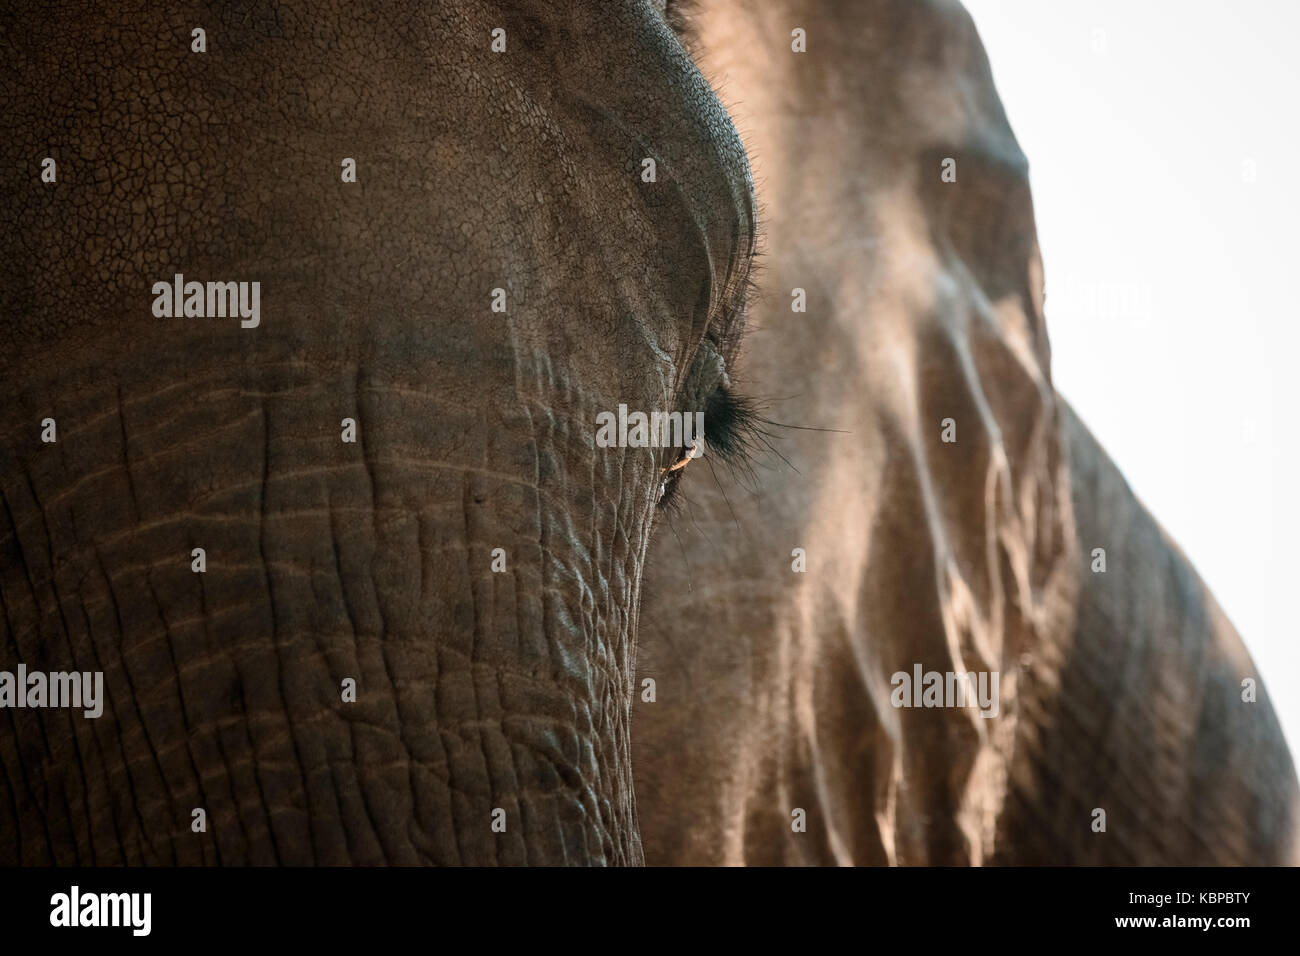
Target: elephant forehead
{"points": [[475, 171]]}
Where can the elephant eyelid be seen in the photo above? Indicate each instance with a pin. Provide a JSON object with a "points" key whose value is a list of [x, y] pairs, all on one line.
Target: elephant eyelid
{"points": [[725, 332], [729, 327]]}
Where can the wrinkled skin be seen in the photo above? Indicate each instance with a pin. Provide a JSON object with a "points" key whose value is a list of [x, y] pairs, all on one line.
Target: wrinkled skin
{"points": [[372, 560], [326, 560], [1119, 691]]}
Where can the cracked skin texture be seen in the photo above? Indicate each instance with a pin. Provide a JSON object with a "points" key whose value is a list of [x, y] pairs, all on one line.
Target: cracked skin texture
{"points": [[370, 561]]}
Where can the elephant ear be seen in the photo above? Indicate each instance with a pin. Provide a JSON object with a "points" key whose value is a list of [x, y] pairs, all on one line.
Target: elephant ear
{"points": [[973, 512], [1135, 698], [1121, 676]]}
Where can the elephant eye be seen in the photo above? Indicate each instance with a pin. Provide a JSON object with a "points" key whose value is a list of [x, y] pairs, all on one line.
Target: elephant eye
{"points": [[694, 450], [670, 474], [733, 431]]}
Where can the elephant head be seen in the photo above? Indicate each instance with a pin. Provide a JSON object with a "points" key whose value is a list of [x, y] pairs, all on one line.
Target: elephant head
{"points": [[315, 318], [361, 583]]}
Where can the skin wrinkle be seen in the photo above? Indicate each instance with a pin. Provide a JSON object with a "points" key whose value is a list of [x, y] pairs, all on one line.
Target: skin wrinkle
{"points": [[98, 664], [221, 748], [265, 422], [126, 764], [40, 721], [476, 598], [196, 516], [66, 631], [394, 853], [180, 693]]}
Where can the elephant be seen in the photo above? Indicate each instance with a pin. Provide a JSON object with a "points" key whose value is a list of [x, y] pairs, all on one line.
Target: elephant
{"points": [[311, 315]]}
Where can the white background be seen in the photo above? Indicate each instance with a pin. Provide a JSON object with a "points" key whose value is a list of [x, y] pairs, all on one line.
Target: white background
{"points": [[1165, 158]]}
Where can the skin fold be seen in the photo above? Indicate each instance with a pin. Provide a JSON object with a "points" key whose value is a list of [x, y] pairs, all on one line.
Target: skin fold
{"points": [[517, 694]]}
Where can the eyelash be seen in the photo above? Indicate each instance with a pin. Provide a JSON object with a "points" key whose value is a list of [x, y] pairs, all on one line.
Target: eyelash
{"points": [[679, 15]]}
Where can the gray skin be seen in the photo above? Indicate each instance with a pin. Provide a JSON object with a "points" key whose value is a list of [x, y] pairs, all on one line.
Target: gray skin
{"points": [[327, 560], [1120, 691]]}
